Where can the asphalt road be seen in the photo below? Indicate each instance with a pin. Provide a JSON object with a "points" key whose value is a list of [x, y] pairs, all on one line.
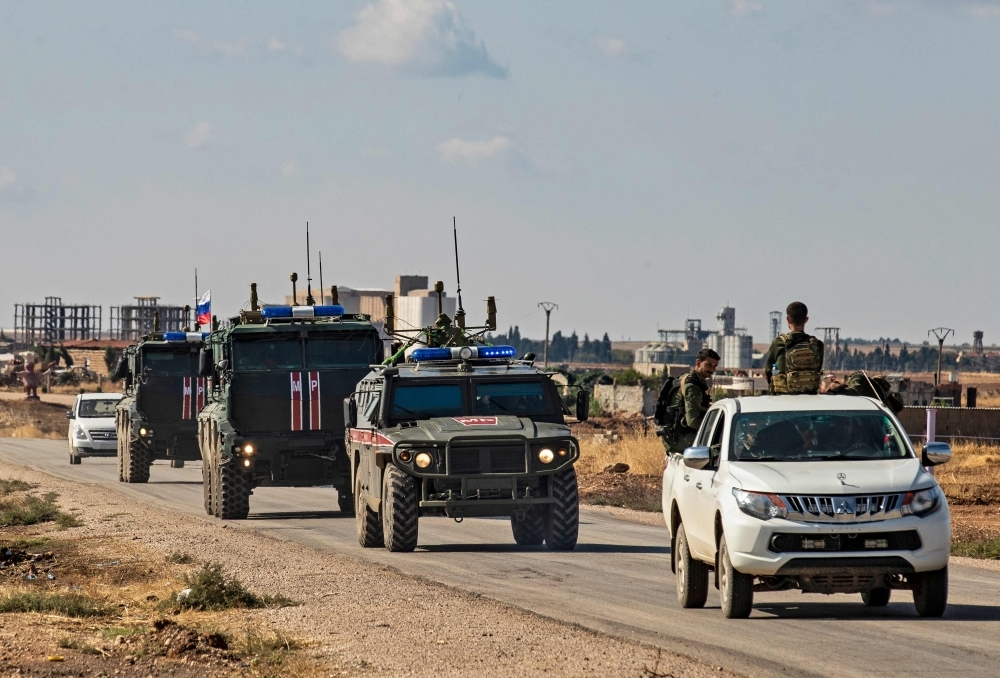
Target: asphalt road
{"points": [[618, 581]]}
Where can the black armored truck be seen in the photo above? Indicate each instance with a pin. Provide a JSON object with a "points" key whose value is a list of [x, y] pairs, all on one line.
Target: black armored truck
{"points": [[451, 426], [157, 417], [275, 416]]}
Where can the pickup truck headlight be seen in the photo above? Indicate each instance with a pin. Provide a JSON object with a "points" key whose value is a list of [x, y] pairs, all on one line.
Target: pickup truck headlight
{"points": [[761, 505], [79, 433], [921, 502]]}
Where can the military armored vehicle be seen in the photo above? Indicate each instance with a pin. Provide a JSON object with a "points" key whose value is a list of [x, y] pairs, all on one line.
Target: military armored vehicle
{"points": [[450, 426], [157, 417], [275, 414]]}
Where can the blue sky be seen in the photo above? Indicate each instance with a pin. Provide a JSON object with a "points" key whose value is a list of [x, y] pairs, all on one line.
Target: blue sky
{"points": [[637, 163]]}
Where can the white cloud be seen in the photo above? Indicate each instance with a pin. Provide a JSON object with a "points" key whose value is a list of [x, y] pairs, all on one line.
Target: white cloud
{"points": [[289, 169], [199, 135], [985, 11], [427, 37], [472, 153], [7, 177], [745, 7], [275, 45], [239, 48]]}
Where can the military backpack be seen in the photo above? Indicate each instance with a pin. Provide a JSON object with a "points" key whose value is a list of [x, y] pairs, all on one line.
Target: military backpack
{"points": [[803, 365]]}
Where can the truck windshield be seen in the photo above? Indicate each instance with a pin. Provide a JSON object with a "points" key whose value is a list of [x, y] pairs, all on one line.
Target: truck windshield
{"points": [[815, 436], [95, 409], [268, 354], [517, 398], [348, 350], [431, 400], [170, 363]]}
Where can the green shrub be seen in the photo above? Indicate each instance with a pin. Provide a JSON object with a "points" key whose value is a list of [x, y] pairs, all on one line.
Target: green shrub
{"points": [[211, 589], [68, 604]]}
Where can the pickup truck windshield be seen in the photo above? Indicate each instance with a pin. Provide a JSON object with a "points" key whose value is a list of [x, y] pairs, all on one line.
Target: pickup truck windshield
{"points": [[815, 436], [95, 409], [521, 399], [170, 363], [431, 400]]}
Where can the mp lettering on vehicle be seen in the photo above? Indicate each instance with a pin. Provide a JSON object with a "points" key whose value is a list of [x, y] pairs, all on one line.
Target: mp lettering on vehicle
{"points": [[194, 396], [477, 421], [300, 418]]}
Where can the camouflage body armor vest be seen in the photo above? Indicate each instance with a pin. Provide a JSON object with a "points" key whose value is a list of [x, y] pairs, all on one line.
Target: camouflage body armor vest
{"points": [[802, 366]]}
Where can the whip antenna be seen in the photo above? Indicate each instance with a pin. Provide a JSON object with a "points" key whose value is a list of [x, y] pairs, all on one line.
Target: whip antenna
{"points": [[460, 313], [309, 293]]}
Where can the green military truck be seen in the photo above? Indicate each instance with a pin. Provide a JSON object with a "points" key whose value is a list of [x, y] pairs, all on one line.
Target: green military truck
{"points": [[275, 413], [462, 431], [157, 417]]}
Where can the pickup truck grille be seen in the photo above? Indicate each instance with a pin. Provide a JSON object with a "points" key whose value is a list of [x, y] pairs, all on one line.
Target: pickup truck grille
{"points": [[488, 458], [103, 434], [843, 508]]}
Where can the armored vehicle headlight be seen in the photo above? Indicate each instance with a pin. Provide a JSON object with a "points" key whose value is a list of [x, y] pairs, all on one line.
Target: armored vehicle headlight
{"points": [[248, 449], [145, 432], [246, 462], [545, 455], [563, 451], [423, 459], [405, 455]]}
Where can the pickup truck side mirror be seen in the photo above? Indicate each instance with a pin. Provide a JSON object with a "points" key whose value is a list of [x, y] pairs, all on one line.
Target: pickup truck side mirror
{"points": [[205, 363], [697, 457], [69, 414], [935, 453], [582, 405], [351, 412]]}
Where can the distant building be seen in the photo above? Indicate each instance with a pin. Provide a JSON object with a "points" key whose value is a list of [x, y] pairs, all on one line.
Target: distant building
{"points": [[678, 348]]}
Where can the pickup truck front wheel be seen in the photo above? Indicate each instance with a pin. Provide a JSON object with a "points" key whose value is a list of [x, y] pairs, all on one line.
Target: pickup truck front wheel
{"points": [[692, 575], [735, 587], [930, 596]]}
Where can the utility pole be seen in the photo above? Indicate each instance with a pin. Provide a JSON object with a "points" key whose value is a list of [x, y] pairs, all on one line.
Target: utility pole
{"points": [[941, 333], [548, 307]]}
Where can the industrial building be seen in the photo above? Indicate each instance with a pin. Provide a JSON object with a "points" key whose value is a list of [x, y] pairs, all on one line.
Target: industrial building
{"points": [[53, 321], [678, 348]]}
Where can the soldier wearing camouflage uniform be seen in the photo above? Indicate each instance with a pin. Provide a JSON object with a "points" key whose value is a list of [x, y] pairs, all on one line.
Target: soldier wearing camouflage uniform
{"points": [[692, 399], [795, 362]]}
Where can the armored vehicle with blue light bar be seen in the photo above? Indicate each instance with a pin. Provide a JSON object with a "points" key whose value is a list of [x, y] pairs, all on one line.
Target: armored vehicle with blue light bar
{"points": [[450, 426], [163, 393], [275, 414]]}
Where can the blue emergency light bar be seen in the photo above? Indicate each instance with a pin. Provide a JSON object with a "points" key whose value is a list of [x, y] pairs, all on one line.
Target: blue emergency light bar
{"points": [[303, 311], [462, 353], [185, 336]]}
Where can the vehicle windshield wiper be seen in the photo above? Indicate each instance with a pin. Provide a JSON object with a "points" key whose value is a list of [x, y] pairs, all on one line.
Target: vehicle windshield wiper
{"points": [[406, 409], [491, 402]]}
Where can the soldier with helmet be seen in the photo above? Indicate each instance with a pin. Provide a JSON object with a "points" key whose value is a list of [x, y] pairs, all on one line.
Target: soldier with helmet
{"points": [[794, 363]]}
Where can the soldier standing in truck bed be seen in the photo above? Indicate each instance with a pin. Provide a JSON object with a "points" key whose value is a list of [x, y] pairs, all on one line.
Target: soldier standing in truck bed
{"points": [[795, 362], [690, 400]]}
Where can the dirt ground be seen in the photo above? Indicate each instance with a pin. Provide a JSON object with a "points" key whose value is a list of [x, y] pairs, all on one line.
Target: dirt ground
{"points": [[32, 419], [349, 617]]}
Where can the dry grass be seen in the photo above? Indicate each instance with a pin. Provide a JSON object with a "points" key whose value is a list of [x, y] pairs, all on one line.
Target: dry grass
{"points": [[644, 454], [973, 474]]}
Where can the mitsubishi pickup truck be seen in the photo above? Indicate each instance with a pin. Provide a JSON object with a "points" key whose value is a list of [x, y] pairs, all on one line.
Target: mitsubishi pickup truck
{"points": [[821, 493]]}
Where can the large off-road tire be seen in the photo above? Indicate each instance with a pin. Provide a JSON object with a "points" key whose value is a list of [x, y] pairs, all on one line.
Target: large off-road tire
{"points": [[345, 500], [531, 530], [735, 588], [232, 492], [562, 525], [138, 460], [122, 452], [930, 596], [176, 463], [876, 597], [206, 483], [692, 574], [399, 510], [369, 524]]}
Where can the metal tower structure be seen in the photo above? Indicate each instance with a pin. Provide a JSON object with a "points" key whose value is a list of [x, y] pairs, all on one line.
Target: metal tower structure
{"points": [[54, 321]]}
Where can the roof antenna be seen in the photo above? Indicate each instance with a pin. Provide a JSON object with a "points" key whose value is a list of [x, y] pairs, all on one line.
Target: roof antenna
{"points": [[460, 313], [309, 292]]}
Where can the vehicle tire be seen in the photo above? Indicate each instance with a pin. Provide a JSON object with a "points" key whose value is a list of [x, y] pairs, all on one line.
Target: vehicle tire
{"points": [[74, 458], [345, 500], [136, 468], [176, 463], [206, 483], [931, 593], [735, 588], [531, 530], [368, 522], [876, 597], [232, 489], [563, 521], [692, 574], [122, 453], [399, 510]]}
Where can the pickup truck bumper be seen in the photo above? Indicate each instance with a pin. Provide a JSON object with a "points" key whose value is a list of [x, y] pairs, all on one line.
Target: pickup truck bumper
{"points": [[752, 550]]}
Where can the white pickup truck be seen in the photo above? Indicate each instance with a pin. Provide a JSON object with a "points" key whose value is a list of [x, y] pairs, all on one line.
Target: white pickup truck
{"points": [[820, 493]]}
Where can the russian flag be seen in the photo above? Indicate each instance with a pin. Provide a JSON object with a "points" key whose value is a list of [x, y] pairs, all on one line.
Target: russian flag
{"points": [[205, 309]]}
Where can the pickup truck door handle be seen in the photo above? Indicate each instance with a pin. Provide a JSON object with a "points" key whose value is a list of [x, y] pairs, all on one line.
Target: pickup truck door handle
{"points": [[687, 478], [698, 485]]}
